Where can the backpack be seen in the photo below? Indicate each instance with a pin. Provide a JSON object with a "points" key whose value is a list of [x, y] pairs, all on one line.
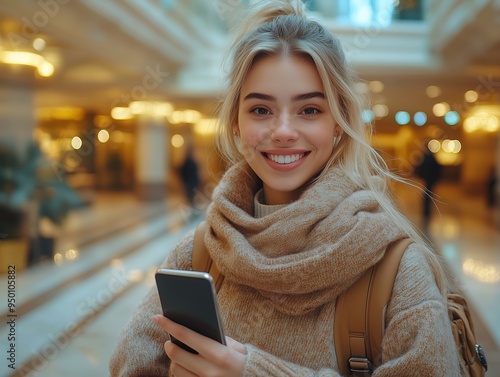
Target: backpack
{"points": [[359, 314]]}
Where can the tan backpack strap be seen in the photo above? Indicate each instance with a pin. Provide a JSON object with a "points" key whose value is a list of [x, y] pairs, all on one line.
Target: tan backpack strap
{"points": [[360, 314], [201, 259]]}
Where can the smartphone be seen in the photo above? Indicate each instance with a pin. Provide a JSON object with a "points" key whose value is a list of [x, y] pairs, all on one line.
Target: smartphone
{"points": [[190, 299]]}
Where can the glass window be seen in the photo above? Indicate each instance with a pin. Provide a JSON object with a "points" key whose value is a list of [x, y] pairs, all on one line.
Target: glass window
{"points": [[362, 12]]}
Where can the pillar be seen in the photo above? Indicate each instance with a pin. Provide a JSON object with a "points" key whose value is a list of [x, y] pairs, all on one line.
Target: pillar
{"points": [[17, 106], [496, 186], [151, 165]]}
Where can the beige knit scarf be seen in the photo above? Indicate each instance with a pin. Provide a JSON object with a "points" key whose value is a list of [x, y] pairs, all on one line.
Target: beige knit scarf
{"points": [[304, 255]]}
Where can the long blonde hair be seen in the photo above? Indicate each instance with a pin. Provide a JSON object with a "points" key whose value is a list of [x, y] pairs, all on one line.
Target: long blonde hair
{"points": [[281, 27]]}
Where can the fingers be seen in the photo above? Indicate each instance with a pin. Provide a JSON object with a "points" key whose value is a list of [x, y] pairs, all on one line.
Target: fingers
{"points": [[235, 345], [213, 358], [161, 321], [184, 363], [177, 370], [200, 343]]}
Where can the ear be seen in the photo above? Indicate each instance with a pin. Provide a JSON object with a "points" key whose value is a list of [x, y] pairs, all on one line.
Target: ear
{"points": [[337, 130], [236, 130]]}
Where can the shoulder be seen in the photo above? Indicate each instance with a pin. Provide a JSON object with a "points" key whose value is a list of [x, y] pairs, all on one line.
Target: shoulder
{"points": [[415, 281], [180, 256]]}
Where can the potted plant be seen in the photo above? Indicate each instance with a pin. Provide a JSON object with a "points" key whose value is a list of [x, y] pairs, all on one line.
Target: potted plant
{"points": [[30, 190]]}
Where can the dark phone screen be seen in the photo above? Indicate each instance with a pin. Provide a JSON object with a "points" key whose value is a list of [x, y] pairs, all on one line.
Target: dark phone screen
{"points": [[190, 301]]}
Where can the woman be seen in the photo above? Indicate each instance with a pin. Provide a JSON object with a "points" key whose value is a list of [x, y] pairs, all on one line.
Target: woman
{"points": [[302, 211]]}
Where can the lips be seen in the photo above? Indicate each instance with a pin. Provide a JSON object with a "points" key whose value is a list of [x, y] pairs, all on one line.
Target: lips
{"points": [[284, 159]]}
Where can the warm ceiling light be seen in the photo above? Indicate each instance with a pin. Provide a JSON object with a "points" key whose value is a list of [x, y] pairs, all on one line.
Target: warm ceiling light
{"points": [[44, 68], [471, 96], [492, 124], [177, 141], [433, 91], [440, 109], [380, 110], [176, 117], [434, 145], [138, 107], [376, 86], [121, 113], [76, 142], [39, 44], [482, 121], [191, 116], [205, 126], [451, 146], [157, 109], [103, 136]]}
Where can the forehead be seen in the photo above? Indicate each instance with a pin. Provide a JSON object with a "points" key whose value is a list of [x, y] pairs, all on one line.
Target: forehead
{"points": [[288, 74]]}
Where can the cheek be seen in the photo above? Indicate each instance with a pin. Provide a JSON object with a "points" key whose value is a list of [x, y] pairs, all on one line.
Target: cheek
{"points": [[322, 137], [253, 136], [324, 146]]}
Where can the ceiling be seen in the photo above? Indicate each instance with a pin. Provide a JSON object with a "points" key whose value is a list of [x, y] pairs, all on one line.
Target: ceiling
{"points": [[108, 53]]}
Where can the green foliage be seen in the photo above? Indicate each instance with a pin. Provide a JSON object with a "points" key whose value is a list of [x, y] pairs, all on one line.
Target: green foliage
{"points": [[31, 177]]}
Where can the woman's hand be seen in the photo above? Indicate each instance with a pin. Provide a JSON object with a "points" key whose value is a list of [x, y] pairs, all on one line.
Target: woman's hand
{"points": [[213, 359]]}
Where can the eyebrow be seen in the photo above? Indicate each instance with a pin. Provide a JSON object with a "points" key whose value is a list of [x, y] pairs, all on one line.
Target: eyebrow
{"points": [[299, 97]]}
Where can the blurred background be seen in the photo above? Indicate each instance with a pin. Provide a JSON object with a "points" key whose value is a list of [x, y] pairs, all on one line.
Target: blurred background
{"points": [[107, 114]]}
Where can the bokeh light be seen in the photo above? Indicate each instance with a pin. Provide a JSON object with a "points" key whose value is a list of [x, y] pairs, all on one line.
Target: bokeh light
{"points": [[76, 142], [471, 96], [451, 118], [420, 118], [376, 86], [367, 116], [380, 110], [177, 141], [440, 109], [434, 145], [402, 117], [103, 136], [433, 91]]}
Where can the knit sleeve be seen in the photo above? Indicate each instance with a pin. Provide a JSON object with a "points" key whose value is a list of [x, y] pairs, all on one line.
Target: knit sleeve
{"points": [[418, 339], [261, 363], [139, 351]]}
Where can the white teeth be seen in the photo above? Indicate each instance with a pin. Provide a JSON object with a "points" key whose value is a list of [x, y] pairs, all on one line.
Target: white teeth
{"points": [[289, 158]]}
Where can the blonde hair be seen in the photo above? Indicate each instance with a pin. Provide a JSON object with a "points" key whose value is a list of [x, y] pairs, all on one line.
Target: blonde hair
{"points": [[281, 27]]}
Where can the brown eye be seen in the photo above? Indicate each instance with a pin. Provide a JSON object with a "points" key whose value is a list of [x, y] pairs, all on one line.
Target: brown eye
{"points": [[260, 111], [311, 111]]}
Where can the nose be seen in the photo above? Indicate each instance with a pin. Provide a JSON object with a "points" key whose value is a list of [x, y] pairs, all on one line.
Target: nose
{"points": [[283, 130]]}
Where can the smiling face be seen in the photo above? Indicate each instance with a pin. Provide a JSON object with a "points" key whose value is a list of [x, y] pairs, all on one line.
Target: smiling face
{"points": [[285, 126]]}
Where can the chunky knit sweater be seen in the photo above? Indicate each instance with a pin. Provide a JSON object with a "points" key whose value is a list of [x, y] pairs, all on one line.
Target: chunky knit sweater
{"points": [[283, 273]]}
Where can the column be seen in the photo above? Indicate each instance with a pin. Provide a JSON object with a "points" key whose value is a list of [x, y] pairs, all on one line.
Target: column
{"points": [[18, 221], [17, 106], [496, 184], [151, 160]]}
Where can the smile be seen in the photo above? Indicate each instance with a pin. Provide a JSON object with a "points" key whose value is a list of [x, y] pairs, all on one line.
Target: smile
{"points": [[285, 159]]}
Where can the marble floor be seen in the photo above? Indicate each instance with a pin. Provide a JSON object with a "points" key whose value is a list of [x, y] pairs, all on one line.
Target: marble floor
{"points": [[71, 309]]}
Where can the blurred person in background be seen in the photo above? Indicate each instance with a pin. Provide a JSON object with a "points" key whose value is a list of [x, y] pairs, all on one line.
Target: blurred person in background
{"points": [[189, 173], [429, 170], [303, 210]]}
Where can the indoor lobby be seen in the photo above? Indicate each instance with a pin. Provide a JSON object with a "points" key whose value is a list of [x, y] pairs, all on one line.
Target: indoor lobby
{"points": [[102, 101]]}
